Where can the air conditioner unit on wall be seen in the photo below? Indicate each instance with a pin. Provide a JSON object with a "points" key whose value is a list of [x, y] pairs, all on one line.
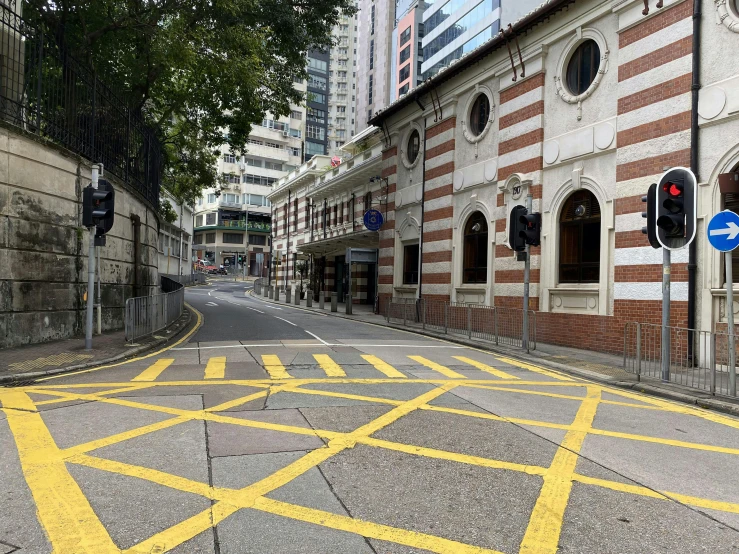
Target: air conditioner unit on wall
{"points": [[285, 134]]}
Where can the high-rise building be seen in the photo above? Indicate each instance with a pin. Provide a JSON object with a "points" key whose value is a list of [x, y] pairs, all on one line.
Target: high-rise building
{"points": [[232, 224], [316, 123], [407, 53], [342, 76], [374, 58]]}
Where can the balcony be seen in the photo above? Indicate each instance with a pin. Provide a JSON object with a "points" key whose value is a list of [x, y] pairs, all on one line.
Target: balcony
{"points": [[238, 225], [225, 204]]}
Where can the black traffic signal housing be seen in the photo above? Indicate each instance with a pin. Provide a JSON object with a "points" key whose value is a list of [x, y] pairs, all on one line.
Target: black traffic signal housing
{"points": [[517, 242], [98, 207], [530, 228], [651, 228], [675, 208]]}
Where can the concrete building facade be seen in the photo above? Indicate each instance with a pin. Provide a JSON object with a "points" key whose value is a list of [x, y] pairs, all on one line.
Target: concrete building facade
{"points": [[597, 107], [342, 94], [175, 239]]}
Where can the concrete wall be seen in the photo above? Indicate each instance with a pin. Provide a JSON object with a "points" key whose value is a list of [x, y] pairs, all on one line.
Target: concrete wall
{"points": [[43, 246]]}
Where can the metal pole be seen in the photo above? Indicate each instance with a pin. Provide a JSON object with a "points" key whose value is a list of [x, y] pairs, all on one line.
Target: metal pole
{"points": [[666, 267], [526, 275], [730, 323], [638, 351], [91, 271], [99, 296], [179, 261], [247, 258]]}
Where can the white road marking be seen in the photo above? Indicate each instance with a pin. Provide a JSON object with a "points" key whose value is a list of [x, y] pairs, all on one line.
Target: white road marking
{"points": [[314, 345], [286, 321], [211, 304], [254, 309], [317, 337], [209, 292]]}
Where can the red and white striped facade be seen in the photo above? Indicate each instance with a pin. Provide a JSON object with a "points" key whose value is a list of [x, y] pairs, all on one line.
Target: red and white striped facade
{"points": [[614, 140]]}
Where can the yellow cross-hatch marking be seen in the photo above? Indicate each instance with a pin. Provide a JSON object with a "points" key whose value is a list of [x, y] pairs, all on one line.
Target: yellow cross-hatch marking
{"points": [[437, 367], [274, 367], [331, 368], [484, 367], [62, 508], [216, 368], [383, 367], [154, 370]]}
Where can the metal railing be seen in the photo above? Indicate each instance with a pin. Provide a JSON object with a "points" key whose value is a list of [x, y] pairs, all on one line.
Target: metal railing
{"points": [[148, 314], [701, 365], [500, 325], [47, 92]]}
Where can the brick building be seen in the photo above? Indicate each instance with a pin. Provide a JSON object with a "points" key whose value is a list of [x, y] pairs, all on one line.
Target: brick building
{"points": [[601, 101]]}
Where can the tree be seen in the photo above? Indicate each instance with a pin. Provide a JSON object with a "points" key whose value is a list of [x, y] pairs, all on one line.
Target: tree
{"points": [[202, 71]]}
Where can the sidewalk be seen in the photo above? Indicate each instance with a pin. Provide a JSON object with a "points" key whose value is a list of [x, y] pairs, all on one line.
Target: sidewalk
{"points": [[23, 363], [597, 366]]}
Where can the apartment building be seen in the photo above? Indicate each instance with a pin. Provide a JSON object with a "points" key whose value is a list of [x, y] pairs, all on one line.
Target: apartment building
{"points": [[342, 85], [407, 52], [316, 125], [174, 252]]}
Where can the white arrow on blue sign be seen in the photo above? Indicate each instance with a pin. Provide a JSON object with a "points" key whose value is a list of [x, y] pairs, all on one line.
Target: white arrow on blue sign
{"points": [[723, 231]]}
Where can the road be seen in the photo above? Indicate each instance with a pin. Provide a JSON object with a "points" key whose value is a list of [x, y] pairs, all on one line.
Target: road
{"points": [[274, 430]]}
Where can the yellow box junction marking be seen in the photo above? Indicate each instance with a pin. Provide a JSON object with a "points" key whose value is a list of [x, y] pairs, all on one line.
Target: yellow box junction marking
{"points": [[216, 368], [63, 510], [437, 367], [535, 369], [383, 367], [153, 371], [274, 367], [485, 367], [331, 368], [545, 524]]}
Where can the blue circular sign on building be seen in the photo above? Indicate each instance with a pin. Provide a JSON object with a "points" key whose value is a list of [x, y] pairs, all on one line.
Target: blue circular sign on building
{"points": [[723, 231], [373, 220]]}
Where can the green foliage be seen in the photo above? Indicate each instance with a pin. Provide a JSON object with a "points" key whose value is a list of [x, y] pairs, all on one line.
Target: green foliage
{"points": [[167, 212], [203, 71]]}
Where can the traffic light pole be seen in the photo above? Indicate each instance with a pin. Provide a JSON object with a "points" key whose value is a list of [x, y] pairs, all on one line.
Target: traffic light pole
{"points": [[526, 275], [666, 268], [91, 270], [730, 323]]}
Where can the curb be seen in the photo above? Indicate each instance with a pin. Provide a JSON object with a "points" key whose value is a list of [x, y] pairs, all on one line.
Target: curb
{"points": [[22, 377], [705, 402]]}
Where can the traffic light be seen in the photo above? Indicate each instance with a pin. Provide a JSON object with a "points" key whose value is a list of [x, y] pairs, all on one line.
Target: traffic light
{"points": [[98, 207], [516, 240], [675, 213], [530, 230], [651, 228]]}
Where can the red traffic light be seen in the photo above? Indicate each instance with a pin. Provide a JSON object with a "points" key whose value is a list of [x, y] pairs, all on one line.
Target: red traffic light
{"points": [[673, 189]]}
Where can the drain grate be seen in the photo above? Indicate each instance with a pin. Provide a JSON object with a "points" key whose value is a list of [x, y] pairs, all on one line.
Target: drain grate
{"points": [[14, 384]]}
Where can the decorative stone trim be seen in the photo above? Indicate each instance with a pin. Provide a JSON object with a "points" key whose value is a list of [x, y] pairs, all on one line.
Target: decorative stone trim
{"points": [[479, 89], [727, 15], [404, 144], [580, 36]]}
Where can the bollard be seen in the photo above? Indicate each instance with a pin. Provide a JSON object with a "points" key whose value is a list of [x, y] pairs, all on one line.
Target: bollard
{"points": [[287, 295], [348, 306], [277, 293], [297, 297], [271, 293], [334, 302], [266, 291], [321, 299], [309, 299]]}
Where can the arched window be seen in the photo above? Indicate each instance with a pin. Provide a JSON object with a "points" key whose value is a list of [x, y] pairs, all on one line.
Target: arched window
{"points": [[579, 239], [731, 202], [475, 263]]}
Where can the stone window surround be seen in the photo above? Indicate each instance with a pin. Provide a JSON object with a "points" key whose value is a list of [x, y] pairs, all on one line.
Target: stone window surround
{"points": [[467, 112], [580, 36], [482, 292], [728, 14], [403, 145]]}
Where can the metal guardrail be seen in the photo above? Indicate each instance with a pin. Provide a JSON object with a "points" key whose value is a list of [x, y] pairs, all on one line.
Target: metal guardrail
{"points": [[705, 366], [496, 324], [148, 314]]}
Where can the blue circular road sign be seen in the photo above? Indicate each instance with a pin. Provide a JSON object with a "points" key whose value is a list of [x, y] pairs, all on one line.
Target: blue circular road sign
{"points": [[373, 220], [723, 231]]}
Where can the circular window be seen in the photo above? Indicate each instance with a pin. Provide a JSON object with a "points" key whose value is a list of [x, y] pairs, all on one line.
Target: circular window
{"points": [[413, 146], [479, 114], [583, 67], [735, 7]]}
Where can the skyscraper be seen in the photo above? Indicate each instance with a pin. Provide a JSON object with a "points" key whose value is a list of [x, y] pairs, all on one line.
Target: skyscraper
{"points": [[316, 124], [342, 85]]}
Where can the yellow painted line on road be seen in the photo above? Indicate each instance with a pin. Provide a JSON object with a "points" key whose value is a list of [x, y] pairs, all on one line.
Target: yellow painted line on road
{"points": [[488, 386], [729, 507], [119, 390], [237, 401], [61, 507], [274, 367], [535, 369], [668, 442], [181, 340], [216, 368], [155, 370], [383, 367], [367, 529], [346, 395], [484, 367], [331, 368], [437, 367], [545, 523]]}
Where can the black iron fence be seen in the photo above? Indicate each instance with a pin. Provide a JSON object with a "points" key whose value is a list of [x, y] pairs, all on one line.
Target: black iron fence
{"points": [[46, 91]]}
